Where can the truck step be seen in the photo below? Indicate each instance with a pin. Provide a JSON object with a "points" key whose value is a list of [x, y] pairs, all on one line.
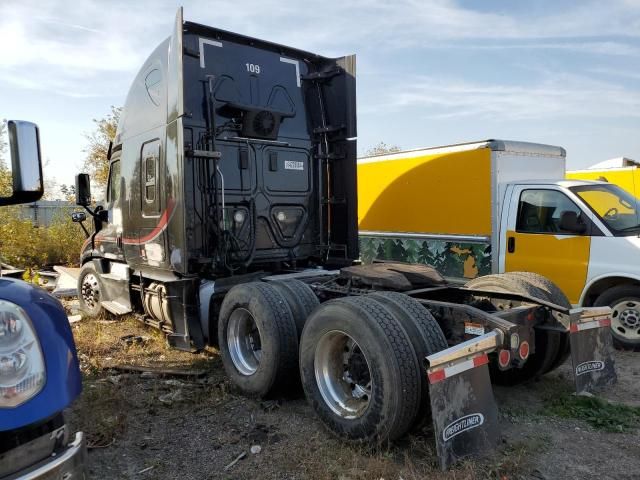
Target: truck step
{"points": [[115, 307], [112, 276]]}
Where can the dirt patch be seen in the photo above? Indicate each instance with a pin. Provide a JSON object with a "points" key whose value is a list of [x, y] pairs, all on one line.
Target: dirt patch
{"points": [[151, 426]]}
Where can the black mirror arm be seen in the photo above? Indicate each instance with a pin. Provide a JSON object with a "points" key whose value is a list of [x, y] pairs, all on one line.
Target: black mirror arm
{"points": [[98, 217], [86, 232], [93, 213]]}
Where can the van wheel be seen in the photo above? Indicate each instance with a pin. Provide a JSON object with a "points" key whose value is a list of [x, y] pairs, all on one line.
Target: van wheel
{"points": [[547, 346], [624, 300], [90, 291], [425, 335], [557, 296], [257, 339], [359, 371], [300, 298]]}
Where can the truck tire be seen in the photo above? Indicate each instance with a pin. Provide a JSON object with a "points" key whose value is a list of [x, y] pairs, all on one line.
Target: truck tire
{"points": [[301, 299], [257, 339], [557, 296], [547, 346], [90, 291], [359, 371], [425, 335], [624, 300]]}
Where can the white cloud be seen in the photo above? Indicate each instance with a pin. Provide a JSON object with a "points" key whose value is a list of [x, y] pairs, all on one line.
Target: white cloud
{"points": [[94, 36], [72, 56], [570, 45], [557, 96], [633, 75]]}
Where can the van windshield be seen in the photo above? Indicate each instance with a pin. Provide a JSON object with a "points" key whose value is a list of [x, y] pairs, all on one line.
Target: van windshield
{"points": [[617, 208]]}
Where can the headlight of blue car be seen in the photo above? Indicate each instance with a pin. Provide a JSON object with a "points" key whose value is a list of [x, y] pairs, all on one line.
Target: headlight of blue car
{"points": [[22, 370]]}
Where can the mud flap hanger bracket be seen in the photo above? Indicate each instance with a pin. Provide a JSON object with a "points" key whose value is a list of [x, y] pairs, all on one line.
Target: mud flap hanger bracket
{"points": [[464, 411]]}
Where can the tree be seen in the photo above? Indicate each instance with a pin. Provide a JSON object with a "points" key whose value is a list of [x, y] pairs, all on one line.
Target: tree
{"points": [[382, 148], [50, 185], [68, 192], [96, 163]]}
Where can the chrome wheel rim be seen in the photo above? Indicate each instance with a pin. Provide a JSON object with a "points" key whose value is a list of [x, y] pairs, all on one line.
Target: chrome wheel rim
{"points": [[343, 374], [90, 291], [625, 320], [244, 341]]}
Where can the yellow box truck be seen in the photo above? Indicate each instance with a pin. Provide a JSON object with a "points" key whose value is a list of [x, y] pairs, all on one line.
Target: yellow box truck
{"points": [[620, 171], [498, 206]]}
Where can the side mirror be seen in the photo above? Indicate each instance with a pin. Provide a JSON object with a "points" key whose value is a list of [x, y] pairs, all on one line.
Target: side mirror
{"points": [[83, 190], [78, 217], [26, 163]]}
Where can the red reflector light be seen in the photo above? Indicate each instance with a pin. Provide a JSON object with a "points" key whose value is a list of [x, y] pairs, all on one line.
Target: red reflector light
{"points": [[437, 376], [504, 357], [524, 350], [481, 360]]}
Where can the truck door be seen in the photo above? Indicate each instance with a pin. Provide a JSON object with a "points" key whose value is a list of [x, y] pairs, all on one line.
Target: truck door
{"points": [[109, 239], [151, 228], [549, 234]]}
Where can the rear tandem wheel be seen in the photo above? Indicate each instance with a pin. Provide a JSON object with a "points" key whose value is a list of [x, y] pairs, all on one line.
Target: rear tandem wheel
{"points": [[301, 299], [257, 339], [548, 345], [359, 370], [425, 335], [557, 296]]}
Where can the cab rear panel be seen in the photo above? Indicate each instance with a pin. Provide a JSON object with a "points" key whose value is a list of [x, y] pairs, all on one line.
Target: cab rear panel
{"points": [[259, 172]]}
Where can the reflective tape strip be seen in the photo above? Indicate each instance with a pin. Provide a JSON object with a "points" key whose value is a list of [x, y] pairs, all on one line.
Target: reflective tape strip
{"points": [[578, 327], [444, 373]]}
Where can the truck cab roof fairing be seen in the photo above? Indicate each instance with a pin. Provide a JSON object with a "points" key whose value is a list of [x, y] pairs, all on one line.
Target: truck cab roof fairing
{"points": [[146, 104], [156, 95]]}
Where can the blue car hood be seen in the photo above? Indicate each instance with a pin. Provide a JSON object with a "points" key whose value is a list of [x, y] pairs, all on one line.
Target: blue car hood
{"points": [[63, 381]]}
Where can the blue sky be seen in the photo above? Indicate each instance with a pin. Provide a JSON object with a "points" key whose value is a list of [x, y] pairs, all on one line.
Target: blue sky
{"points": [[430, 72]]}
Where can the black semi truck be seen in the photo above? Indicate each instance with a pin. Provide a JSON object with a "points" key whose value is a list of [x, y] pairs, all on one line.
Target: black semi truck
{"points": [[230, 220]]}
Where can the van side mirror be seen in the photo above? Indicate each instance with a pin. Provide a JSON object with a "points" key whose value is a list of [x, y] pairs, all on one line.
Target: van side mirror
{"points": [[83, 190], [26, 163]]}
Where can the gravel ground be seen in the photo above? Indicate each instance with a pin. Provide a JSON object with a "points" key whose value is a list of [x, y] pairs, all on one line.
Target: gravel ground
{"points": [[167, 427]]}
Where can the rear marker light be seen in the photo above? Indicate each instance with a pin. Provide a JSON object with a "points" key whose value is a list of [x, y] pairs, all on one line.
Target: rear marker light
{"points": [[504, 357], [524, 350]]}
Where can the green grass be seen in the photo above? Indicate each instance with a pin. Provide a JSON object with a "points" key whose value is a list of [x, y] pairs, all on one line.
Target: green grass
{"points": [[102, 413], [515, 460], [598, 413]]}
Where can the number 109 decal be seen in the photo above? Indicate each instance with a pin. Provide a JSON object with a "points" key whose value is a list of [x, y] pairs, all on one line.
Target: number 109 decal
{"points": [[252, 67]]}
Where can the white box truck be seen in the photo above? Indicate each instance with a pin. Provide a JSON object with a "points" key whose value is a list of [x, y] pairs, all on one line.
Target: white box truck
{"points": [[498, 206]]}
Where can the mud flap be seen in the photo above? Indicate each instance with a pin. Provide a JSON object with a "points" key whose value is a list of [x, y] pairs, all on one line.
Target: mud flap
{"points": [[464, 411], [592, 349]]}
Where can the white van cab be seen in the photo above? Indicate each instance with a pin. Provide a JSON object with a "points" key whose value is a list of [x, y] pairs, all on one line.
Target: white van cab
{"points": [[473, 209]]}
